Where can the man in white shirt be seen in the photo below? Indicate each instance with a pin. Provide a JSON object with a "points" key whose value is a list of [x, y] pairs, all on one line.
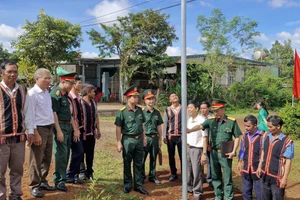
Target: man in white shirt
{"points": [[39, 122], [195, 141]]}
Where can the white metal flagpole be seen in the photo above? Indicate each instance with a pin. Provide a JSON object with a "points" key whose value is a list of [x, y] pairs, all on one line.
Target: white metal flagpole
{"points": [[183, 100]]}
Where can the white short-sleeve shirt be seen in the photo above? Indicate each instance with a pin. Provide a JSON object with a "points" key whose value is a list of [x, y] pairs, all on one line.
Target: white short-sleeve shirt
{"points": [[195, 138]]}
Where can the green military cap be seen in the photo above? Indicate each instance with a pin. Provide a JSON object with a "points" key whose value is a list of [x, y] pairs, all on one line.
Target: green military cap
{"points": [[132, 90], [70, 77], [217, 103], [147, 94]]}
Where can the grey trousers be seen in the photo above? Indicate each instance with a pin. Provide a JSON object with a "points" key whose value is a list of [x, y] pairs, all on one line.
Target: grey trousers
{"points": [[40, 158], [12, 155], [195, 170]]}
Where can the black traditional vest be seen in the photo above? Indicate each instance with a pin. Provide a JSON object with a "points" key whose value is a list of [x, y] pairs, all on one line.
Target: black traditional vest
{"points": [[90, 117], [273, 163], [12, 115], [174, 122], [252, 152], [79, 113]]}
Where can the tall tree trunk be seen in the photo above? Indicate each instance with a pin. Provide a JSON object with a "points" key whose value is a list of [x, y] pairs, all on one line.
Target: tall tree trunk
{"points": [[159, 89], [121, 78], [235, 96], [213, 83]]}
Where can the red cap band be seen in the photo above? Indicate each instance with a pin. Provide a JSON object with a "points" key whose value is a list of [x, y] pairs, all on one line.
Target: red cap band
{"points": [[148, 96], [134, 92], [67, 78], [218, 105]]}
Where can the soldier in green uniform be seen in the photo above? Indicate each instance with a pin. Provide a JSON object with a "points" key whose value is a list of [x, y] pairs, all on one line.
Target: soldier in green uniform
{"points": [[221, 128], [129, 125], [153, 129], [63, 128]]}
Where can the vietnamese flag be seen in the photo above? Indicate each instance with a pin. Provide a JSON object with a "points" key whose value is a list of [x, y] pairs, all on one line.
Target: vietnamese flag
{"points": [[296, 86]]}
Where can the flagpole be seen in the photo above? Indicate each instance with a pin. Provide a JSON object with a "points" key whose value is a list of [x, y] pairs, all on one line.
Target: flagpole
{"points": [[183, 100], [293, 98]]}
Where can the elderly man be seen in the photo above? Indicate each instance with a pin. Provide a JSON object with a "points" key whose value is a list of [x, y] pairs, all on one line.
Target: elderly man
{"points": [[12, 130], [64, 127], [39, 122]]}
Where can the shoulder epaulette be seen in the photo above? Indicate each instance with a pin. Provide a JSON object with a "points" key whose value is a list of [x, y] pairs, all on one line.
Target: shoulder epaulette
{"points": [[231, 118], [211, 117], [139, 107], [123, 108], [57, 93], [143, 108]]}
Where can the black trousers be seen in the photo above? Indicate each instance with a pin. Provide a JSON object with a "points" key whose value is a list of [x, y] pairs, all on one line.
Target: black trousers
{"points": [[172, 143], [89, 148], [76, 158]]}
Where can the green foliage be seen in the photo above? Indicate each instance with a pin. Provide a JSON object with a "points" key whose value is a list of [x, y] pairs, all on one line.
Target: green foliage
{"points": [[282, 55], [140, 40], [92, 193], [224, 39], [291, 118], [47, 41], [4, 54], [26, 71], [259, 85]]}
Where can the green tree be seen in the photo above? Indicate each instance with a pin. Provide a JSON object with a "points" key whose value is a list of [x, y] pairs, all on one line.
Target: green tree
{"points": [[282, 55], [26, 71], [224, 39], [259, 84], [47, 41], [4, 54], [140, 40]]}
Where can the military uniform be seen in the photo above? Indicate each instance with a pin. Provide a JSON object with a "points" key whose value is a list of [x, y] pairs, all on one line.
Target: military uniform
{"points": [[131, 123], [61, 105], [153, 120], [219, 131]]}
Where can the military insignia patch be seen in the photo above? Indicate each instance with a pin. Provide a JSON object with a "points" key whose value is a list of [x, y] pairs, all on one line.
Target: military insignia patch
{"points": [[231, 118], [57, 93], [123, 108]]}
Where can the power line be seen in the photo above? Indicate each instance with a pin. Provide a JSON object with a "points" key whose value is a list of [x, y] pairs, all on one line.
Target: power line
{"points": [[173, 5], [155, 10], [115, 11]]}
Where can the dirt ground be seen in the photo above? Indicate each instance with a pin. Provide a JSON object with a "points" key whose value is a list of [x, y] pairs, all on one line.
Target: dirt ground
{"points": [[166, 190]]}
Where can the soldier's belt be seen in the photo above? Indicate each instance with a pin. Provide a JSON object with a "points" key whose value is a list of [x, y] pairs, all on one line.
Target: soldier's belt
{"points": [[152, 136], [133, 136], [64, 122]]}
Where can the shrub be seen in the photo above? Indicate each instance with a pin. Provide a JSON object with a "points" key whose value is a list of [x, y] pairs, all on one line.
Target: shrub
{"points": [[291, 118]]}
